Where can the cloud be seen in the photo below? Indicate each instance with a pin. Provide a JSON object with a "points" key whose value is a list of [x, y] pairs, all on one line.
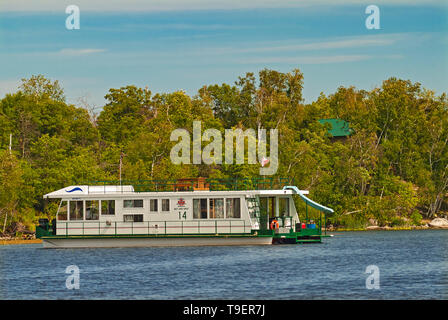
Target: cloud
{"points": [[342, 43], [329, 44], [79, 52], [318, 59], [308, 59], [179, 5]]}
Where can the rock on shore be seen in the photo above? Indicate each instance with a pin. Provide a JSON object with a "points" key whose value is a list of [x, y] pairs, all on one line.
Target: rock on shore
{"points": [[378, 228], [439, 223]]}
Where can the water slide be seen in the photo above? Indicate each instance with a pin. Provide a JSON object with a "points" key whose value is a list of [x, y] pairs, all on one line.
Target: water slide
{"points": [[308, 201]]}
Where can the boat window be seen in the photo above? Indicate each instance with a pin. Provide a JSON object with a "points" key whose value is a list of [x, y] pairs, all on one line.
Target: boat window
{"points": [[233, 208], [284, 207], [132, 203], [216, 209], [165, 204], [199, 208], [62, 213], [133, 218], [92, 210], [107, 207], [153, 205], [76, 210]]}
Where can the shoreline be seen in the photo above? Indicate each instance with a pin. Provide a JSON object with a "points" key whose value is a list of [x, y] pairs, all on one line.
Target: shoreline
{"points": [[386, 229], [13, 241], [381, 229], [6, 242]]}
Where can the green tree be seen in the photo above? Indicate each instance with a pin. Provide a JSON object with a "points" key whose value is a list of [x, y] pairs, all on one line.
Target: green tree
{"points": [[40, 87], [11, 182]]}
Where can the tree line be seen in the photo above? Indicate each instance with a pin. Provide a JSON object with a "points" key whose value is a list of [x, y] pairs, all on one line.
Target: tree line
{"points": [[393, 168]]}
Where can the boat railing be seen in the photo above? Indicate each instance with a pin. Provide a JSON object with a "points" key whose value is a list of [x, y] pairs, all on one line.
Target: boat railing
{"points": [[284, 222], [154, 228], [189, 184]]}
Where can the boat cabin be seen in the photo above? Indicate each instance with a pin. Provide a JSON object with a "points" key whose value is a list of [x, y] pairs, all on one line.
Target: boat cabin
{"points": [[119, 209], [196, 211]]}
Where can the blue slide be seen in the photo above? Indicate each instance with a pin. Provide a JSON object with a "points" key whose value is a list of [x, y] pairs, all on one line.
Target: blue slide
{"points": [[308, 201]]}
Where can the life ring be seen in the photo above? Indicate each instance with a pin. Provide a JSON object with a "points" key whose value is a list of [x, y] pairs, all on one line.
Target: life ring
{"points": [[274, 222]]}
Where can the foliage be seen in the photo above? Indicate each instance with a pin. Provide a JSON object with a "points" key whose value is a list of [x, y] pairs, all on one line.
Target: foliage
{"points": [[416, 219], [393, 168]]}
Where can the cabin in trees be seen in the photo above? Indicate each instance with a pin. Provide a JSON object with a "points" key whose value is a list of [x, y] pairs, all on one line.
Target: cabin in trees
{"points": [[340, 129]]}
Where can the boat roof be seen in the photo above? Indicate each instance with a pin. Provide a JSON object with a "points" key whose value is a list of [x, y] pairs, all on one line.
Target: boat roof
{"points": [[113, 191]]}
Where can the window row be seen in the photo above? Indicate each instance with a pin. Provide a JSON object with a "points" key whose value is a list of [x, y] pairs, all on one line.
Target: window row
{"points": [[215, 208], [93, 208], [75, 209], [153, 204]]}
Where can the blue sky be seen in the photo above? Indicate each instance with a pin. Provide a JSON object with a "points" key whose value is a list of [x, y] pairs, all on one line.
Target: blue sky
{"points": [[172, 45]]}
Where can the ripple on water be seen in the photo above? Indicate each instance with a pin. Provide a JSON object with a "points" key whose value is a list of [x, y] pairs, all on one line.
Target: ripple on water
{"points": [[412, 264]]}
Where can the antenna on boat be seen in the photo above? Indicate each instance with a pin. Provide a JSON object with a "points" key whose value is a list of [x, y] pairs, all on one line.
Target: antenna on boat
{"points": [[121, 163]]}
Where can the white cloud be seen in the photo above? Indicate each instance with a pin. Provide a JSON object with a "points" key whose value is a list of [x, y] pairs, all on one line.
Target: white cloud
{"points": [[161, 5], [318, 59], [308, 59], [342, 43], [329, 44], [79, 52]]}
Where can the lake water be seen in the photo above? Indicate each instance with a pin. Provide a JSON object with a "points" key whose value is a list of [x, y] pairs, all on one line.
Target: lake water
{"points": [[412, 265]]}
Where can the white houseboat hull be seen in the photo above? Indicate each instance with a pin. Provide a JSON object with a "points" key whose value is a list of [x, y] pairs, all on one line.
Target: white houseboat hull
{"points": [[154, 242]]}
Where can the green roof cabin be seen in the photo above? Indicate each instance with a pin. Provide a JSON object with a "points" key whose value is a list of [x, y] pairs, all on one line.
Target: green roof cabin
{"points": [[339, 128]]}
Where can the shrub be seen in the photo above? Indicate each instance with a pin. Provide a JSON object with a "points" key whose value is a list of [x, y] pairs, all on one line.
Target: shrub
{"points": [[397, 222], [416, 219]]}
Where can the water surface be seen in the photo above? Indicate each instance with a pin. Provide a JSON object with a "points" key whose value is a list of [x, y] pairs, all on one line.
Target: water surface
{"points": [[412, 265]]}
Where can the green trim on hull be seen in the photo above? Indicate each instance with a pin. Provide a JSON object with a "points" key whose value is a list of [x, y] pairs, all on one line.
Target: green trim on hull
{"points": [[303, 236]]}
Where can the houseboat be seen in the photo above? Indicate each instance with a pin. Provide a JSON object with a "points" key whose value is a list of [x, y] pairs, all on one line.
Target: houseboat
{"points": [[183, 212]]}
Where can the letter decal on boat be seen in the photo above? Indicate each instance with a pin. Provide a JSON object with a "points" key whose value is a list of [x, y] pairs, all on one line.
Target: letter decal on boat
{"points": [[74, 189]]}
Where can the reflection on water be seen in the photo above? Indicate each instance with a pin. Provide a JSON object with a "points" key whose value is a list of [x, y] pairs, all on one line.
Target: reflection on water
{"points": [[412, 265]]}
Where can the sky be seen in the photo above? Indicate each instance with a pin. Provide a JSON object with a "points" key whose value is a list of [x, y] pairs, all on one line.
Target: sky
{"points": [[170, 45]]}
